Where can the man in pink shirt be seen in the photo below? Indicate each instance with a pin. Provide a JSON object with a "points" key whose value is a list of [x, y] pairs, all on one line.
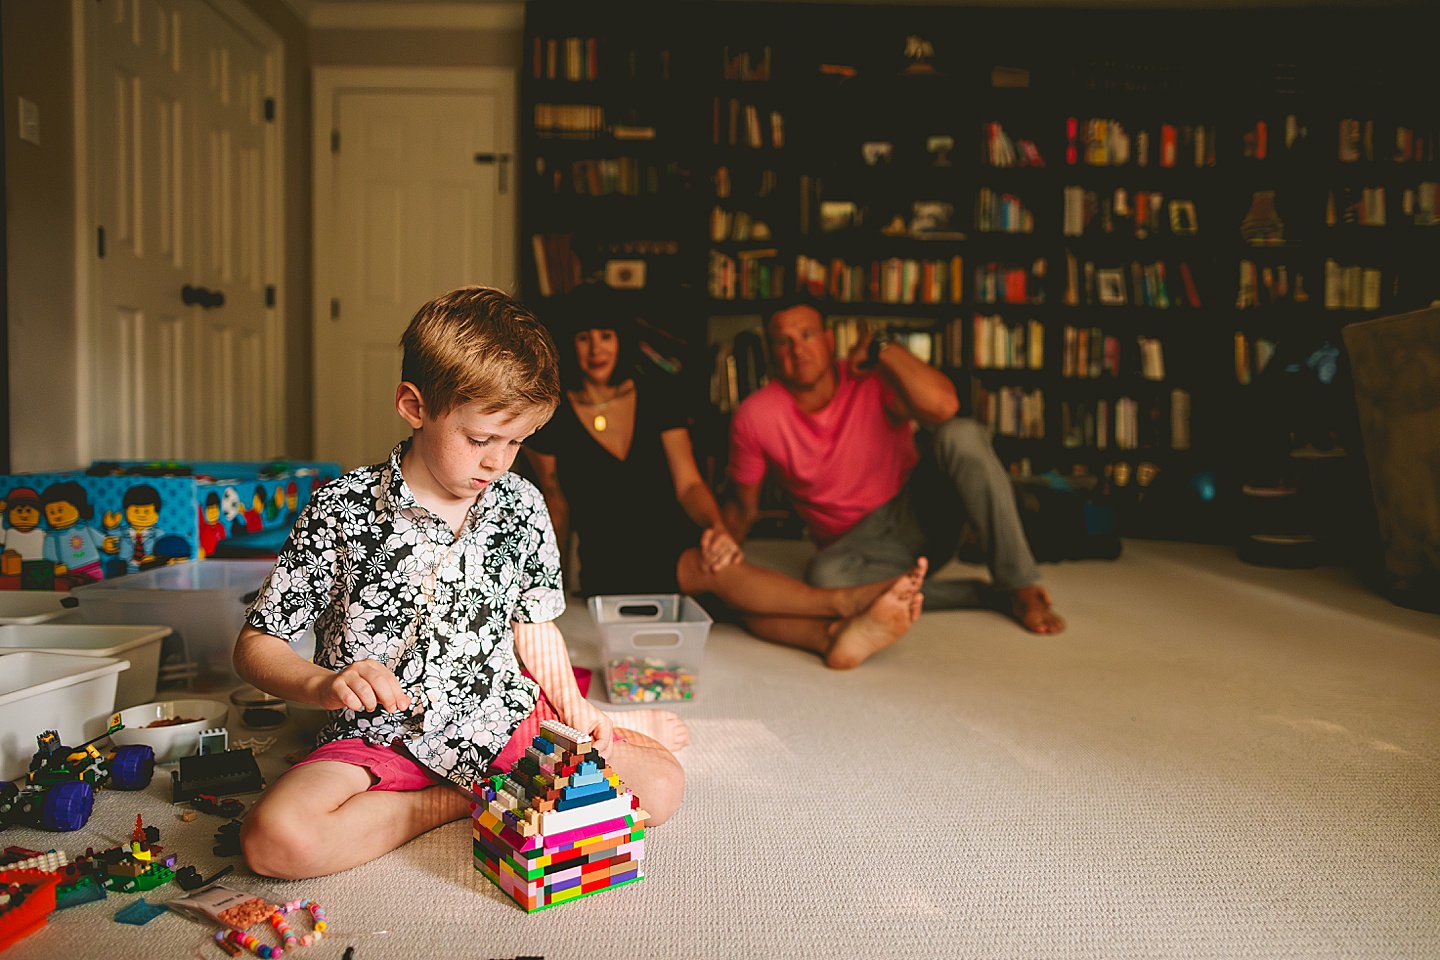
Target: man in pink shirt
{"points": [[840, 439]]}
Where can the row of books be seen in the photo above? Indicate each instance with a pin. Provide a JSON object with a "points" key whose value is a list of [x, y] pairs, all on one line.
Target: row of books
{"points": [[1009, 411], [565, 58], [999, 212], [1363, 206], [741, 125], [1007, 283], [571, 121], [557, 267], [892, 280], [736, 225], [742, 66], [1263, 286], [1252, 356], [1351, 287], [999, 150], [1117, 424], [1142, 285], [1143, 211], [998, 344], [747, 275], [1104, 142], [627, 176]]}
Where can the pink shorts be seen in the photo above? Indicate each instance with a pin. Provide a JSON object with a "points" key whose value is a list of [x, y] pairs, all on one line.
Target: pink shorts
{"points": [[392, 767]]}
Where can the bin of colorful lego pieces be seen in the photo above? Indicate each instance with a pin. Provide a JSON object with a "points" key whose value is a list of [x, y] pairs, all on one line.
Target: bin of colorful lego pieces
{"points": [[653, 645]]}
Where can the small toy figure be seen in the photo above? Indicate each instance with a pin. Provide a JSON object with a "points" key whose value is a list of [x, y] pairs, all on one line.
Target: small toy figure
{"points": [[142, 514], [73, 547], [234, 510], [212, 531], [24, 539]]}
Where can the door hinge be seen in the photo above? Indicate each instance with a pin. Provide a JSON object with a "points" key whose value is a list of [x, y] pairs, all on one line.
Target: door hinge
{"points": [[334, 141], [269, 294], [270, 109], [100, 242], [334, 308]]}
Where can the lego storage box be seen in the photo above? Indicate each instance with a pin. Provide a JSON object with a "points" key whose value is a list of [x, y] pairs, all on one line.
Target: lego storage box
{"points": [[74, 696], [138, 644], [652, 645], [64, 529], [202, 603]]}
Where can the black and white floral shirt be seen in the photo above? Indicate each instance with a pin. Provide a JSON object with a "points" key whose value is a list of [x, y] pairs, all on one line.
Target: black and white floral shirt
{"points": [[382, 578]]}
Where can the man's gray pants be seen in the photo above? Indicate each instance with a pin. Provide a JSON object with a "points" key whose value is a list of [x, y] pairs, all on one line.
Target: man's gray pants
{"points": [[959, 480]]}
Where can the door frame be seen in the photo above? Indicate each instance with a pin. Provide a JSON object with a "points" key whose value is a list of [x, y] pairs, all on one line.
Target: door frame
{"points": [[87, 290], [326, 85]]}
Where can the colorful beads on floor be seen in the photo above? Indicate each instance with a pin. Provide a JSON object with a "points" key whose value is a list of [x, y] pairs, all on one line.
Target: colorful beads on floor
{"points": [[282, 927]]}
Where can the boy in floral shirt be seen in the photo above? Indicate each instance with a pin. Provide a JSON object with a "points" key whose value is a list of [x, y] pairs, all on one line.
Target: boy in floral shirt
{"points": [[423, 578]]}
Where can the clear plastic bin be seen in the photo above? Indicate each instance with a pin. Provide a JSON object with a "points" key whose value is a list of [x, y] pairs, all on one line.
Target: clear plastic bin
{"points": [[203, 602], [74, 696], [653, 646], [138, 644]]}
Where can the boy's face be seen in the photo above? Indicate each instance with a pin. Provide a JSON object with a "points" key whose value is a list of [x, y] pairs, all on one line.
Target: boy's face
{"points": [[456, 456]]}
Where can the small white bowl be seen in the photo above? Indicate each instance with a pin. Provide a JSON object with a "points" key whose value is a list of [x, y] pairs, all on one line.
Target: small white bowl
{"points": [[175, 740]]}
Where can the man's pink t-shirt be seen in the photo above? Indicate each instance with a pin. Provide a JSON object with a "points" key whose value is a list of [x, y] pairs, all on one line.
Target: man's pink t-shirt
{"points": [[837, 464]]}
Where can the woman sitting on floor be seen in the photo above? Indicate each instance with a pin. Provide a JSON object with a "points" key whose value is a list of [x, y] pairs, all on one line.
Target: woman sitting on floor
{"points": [[616, 464]]}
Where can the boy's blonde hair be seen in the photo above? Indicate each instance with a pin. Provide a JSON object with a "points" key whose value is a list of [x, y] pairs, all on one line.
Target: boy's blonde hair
{"points": [[480, 345]]}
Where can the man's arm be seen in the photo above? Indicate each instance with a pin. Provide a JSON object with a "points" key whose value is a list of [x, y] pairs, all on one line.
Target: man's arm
{"points": [[919, 391]]}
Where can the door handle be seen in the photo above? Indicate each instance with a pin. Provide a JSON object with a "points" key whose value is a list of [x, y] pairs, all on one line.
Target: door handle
{"points": [[200, 295], [503, 159]]}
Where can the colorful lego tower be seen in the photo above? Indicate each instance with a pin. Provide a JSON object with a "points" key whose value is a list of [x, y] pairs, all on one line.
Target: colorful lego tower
{"points": [[560, 825]]}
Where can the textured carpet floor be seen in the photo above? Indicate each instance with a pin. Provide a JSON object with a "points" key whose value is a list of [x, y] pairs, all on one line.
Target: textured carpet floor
{"points": [[1214, 760]]}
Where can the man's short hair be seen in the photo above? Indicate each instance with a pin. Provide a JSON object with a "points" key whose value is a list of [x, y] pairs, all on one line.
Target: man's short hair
{"points": [[480, 345], [788, 302]]}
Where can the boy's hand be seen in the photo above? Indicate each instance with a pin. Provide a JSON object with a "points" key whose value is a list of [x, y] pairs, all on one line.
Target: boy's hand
{"points": [[718, 549], [362, 686], [587, 719]]}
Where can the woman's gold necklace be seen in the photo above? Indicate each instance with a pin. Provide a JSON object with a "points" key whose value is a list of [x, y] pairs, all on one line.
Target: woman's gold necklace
{"points": [[599, 422]]}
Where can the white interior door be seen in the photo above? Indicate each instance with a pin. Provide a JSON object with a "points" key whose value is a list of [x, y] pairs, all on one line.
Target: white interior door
{"points": [[179, 162], [404, 212]]}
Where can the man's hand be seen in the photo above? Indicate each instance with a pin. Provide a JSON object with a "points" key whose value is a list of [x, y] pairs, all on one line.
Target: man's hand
{"points": [[859, 356], [362, 686], [718, 549]]}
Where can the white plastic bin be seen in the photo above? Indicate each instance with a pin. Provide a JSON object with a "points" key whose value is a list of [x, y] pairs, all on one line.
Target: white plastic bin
{"points": [[203, 602], [140, 645], [38, 606], [74, 696], [653, 646]]}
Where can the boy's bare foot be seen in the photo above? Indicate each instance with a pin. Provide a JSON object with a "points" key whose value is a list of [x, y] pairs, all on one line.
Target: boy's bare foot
{"points": [[880, 624], [662, 726], [1031, 607]]}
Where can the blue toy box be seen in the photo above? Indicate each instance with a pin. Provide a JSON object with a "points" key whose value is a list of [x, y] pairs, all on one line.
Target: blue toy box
{"points": [[59, 530]]}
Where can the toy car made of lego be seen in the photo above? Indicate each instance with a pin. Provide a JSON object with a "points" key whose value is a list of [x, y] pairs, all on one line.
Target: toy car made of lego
{"points": [[59, 791]]}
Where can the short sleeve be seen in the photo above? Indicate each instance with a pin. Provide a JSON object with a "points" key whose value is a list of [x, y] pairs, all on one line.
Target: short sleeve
{"points": [[300, 585], [747, 455], [669, 406], [542, 592]]}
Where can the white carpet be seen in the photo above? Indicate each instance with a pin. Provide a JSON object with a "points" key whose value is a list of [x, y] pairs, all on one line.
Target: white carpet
{"points": [[1214, 760]]}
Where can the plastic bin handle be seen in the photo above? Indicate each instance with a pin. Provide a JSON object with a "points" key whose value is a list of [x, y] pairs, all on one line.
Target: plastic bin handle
{"points": [[651, 639], [69, 601], [648, 611]]}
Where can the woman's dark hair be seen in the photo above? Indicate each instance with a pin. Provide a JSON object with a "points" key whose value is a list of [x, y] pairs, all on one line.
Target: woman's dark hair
{"points": [[593, 306]]}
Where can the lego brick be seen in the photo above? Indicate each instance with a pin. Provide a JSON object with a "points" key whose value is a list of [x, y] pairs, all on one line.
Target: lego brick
{"points": [[566, 736], [562, 821]]}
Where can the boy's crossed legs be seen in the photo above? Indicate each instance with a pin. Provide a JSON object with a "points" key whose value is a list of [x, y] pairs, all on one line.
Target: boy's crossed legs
{"points": [[326, 816]]}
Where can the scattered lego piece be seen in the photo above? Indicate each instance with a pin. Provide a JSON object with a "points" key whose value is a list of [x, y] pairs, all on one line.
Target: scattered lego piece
{"points": [[216, 740], [188, 815], [229, 807], [84, 889], [217, 774], [227, 840], [139, 912]]}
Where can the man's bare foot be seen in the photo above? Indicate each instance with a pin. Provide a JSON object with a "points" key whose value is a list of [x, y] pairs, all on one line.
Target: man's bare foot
{"points": [[880, 624], [1031, 607], [662, 726]]}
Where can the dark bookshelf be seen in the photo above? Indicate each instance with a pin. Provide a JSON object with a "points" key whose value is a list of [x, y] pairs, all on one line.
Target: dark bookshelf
{"points": [[874, 150]]}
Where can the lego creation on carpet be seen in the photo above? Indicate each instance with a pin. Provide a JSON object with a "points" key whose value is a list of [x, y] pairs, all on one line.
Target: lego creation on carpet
{"points": [[560, 826]]}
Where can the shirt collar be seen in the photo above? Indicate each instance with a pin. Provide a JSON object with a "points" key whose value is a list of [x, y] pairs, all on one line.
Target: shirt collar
{"points": [[396, 495]]}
